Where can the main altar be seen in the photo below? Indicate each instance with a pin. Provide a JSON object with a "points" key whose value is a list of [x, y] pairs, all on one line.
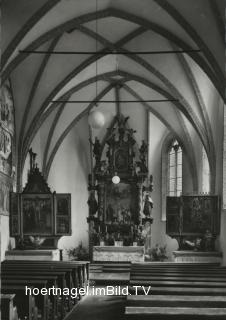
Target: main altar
{"points": [[119, 201]]}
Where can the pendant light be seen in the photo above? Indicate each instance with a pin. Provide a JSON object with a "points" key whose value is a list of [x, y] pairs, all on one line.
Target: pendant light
{"points": [[96, 118]]}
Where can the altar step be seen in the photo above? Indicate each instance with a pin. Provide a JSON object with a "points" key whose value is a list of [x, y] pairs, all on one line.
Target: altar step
{"points": [[110, 273]]}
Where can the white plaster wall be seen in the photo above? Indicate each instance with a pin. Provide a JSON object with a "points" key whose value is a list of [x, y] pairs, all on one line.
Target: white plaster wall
{"points": [[156, 133], [68, 174], [4, 236], [156, 137]]}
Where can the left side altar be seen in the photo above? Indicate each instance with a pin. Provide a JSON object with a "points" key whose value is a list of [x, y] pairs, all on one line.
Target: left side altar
{"points": [[38, 218]]}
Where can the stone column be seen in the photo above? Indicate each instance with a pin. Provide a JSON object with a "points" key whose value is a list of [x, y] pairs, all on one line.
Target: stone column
{"points": [[224, 162], [223, 211]]}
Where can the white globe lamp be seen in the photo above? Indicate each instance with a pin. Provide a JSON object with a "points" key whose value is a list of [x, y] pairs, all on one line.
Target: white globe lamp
{"points": [[96, 119], [116, 179]]}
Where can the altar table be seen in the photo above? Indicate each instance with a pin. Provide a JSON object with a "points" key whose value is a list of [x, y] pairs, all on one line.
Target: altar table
{"points": [[116, 253]]}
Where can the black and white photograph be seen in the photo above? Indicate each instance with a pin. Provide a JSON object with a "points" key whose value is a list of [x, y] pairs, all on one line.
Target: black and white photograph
{"points": [[113, 160]]}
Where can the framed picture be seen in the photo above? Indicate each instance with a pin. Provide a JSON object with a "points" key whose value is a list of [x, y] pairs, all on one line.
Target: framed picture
{"points": [[173, 205], [192, 215], [121, 203], [63, 213], [200, 213], [37, 214]]}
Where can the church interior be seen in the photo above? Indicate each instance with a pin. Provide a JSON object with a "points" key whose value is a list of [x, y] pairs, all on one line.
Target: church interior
{"points": [[113, 158]]}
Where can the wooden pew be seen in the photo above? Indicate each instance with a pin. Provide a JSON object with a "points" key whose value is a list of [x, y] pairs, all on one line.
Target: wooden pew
{"points": [[27, 275], [55, 277], [177, 300], [25, 304], [76, 274], [178, 291], [8, 309], [42, 301], [81, 268], [177, 306]]}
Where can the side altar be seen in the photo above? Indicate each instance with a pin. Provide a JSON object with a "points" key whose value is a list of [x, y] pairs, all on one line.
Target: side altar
{"points": [[119, 201], [38, 217]]}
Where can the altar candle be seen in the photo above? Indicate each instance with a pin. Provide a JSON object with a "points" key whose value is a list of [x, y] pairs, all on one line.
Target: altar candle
{"points": [[106, 230]]}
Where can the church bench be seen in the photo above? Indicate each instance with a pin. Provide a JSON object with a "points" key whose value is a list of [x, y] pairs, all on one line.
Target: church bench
{"points": [[178, 277], [62, 304], [198, 283], [191, 270], [25, 304], [80, 269], [67, 280], [223, 272], [82, 266], [48, 270], [191, 273], [177, 301], [43, 302], [175, 313], [8, 310], [208, 306], [177, 291], [176, 264], [27, 275], [77, 273], [165, 290]]}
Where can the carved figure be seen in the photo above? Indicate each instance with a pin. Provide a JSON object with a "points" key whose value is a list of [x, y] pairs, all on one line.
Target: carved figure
{"points": [[148, 206], [92, 202], [208, 241]]}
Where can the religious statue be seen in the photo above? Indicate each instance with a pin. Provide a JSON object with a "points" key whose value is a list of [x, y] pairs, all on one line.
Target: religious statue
{"points": [[32, 159], [208, 241], [96, 150], [92, 202], [196, 245], [148, 206], [146, 235]]}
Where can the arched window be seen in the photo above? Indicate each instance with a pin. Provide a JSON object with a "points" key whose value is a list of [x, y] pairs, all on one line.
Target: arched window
{"points": [[175, 169], [205, 172]]}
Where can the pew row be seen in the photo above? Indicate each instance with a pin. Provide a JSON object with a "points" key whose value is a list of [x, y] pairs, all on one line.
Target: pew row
{"points": [[176, 291], [45, 274]]}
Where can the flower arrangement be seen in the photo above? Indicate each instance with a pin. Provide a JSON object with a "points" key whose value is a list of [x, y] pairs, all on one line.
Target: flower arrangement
{"points": [[158, 253], [79, 253]]}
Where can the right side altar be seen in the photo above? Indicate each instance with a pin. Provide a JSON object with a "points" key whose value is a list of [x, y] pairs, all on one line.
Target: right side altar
{"points": [[119, 202], [194, 221]]}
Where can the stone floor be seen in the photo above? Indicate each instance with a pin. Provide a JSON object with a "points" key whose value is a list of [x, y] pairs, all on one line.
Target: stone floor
{"points": [[99, 308]]}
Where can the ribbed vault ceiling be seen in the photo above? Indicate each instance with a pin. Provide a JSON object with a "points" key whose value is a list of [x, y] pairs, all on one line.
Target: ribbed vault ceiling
{"points": [[195, 79]]}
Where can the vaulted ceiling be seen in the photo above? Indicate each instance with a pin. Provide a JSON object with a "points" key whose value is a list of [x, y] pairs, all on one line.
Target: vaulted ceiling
{"points": [[195, 79]]}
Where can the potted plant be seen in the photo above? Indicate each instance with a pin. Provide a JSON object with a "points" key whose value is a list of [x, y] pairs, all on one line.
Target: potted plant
{"points": [[78, 253], [158, 253]]}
